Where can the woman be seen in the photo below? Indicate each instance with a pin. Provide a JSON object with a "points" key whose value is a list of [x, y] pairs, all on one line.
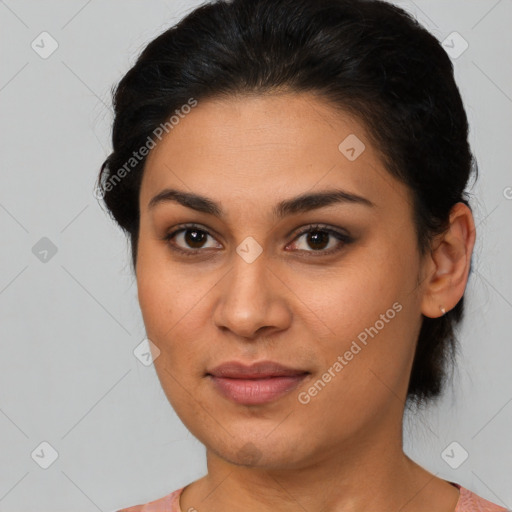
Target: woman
{"points": [[291, 174]]}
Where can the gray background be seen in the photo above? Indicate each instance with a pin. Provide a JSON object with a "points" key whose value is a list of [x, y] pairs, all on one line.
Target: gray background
{"points": [[69, 321]]}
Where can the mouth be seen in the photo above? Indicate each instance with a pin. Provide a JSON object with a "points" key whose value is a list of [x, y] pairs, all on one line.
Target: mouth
{"points": [[255, 384]]}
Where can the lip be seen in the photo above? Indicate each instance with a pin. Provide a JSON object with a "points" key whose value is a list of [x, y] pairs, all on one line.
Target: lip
{"points": [[258, 383], [259, 370]]}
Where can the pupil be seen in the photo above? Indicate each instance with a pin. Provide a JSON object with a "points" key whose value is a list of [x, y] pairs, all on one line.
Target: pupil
{"points": [[196, 238], [318, 239]]}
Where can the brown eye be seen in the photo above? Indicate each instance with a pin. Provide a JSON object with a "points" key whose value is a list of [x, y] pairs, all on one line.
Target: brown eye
{"points": [[195, 238], [321, 240], [318, 239], [190, 240]]}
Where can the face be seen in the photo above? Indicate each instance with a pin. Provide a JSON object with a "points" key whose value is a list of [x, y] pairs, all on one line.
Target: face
{"points": [[299, 250]]}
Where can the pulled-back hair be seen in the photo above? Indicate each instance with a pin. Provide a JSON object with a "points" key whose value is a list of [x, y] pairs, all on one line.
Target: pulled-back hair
{"points": [[369, 58]]}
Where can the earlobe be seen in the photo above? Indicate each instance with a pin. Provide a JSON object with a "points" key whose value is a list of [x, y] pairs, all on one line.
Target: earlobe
{"points": [[450, 260]]}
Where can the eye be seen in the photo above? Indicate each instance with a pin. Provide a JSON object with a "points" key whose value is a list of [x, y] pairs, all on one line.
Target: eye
{"points": [[321, 239], [189, 240]]}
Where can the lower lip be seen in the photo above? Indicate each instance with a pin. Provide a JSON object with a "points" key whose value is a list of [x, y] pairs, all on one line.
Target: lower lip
{"points": [[256, 391]]}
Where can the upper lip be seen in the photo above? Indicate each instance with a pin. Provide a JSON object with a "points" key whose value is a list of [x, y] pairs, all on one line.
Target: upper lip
{"points": [[259, 370]]}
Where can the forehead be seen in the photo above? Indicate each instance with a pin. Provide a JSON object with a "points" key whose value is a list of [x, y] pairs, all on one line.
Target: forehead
{"points": [[264, 144], [259, 123]]}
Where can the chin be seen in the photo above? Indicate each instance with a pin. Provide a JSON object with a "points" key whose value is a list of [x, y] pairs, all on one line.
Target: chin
{"points": [[263, 454]]}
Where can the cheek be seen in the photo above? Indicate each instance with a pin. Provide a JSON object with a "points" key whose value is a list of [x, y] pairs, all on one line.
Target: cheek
{"points": [[374, 318], [355, 295], [173, 303], [365, 371], [170, 315], [165, 294], [171, 312]]}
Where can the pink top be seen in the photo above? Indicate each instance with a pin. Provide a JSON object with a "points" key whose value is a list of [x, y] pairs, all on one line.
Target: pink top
{"points": [[468, 502]]}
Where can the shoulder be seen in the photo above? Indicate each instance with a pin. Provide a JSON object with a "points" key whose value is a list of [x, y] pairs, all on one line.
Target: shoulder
{"points": [[169, 503], [471, 502], [468, 502]]}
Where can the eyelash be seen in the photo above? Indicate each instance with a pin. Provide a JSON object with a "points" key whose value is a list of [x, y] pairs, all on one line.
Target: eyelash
{"points": [[342, 237]]}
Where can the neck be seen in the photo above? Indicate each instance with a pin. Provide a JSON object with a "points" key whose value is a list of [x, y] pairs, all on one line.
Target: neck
{"points": [[363, 474]]}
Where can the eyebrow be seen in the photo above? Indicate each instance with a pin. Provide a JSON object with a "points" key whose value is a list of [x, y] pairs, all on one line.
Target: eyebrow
{"points": [[299, 204]]}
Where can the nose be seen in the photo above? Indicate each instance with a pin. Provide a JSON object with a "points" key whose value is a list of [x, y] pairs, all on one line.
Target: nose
{"points": [[253, 300]]}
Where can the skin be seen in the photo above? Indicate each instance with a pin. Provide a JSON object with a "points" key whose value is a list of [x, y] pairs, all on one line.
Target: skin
{"points": [[342, 451]]}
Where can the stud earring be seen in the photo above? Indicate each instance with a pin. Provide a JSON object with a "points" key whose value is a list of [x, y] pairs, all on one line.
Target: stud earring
{"points": [[442, 310]]}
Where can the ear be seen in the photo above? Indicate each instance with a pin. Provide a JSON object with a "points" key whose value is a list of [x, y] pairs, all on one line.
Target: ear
{"points": [[447, 267]]}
